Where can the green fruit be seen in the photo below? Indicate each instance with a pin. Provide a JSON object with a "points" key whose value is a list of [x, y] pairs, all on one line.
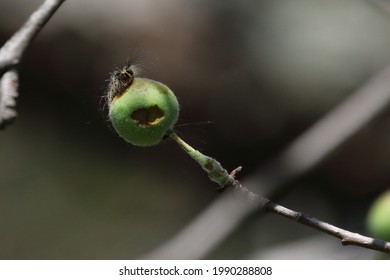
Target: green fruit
{"points": [[144, 112], [378, 220]]}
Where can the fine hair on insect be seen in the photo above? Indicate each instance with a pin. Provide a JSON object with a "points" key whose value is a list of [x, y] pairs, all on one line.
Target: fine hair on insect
{"points": [[121, 78]]}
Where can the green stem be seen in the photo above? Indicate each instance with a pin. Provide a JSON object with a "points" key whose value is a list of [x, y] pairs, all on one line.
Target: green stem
{"points": [[213, 168]]}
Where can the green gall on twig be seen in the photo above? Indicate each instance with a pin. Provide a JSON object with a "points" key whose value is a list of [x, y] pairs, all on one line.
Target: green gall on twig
{"points": [[141, 110]]}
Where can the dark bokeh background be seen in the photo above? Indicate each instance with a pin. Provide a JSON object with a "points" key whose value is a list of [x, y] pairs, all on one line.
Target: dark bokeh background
{"points": [[260, 71]]}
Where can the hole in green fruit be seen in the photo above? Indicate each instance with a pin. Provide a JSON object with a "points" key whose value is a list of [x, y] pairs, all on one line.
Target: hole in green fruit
{"points": [[147, 116]]}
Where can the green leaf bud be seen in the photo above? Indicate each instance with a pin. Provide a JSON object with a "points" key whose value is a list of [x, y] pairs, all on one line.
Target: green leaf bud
{"points": [[378, 220], [144, 111]]}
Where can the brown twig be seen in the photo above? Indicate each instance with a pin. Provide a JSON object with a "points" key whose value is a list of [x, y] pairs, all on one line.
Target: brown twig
{"points": [[11, 54], [346, 237]]}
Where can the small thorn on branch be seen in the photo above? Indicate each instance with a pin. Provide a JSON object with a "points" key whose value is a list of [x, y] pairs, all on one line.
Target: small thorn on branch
{"points": [[235, 171], [232, 180]]}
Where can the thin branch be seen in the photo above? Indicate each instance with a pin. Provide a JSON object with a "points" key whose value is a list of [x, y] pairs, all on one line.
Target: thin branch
{"points": [[346, 237], [311, 148], [11, 54]]}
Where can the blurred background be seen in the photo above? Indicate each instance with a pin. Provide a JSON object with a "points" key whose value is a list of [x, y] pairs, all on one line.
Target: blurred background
{"points": [[260, 71]]}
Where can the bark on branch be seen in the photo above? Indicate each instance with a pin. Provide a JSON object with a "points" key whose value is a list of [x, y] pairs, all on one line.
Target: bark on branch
{"points": [[346, 237]]}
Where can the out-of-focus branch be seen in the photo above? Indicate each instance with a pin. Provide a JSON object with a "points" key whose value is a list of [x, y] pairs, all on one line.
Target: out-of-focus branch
{"points": [[8, 93], [328, 134], [312, 147], [13, 50], [11, 54]]}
